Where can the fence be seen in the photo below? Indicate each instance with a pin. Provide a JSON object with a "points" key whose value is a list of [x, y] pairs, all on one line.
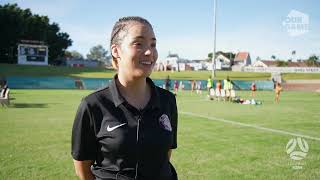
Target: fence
{"points": [[23, 82], [282, 69]]}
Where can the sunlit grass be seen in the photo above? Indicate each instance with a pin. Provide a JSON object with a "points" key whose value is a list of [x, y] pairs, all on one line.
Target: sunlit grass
{"points": [[36, 132]]}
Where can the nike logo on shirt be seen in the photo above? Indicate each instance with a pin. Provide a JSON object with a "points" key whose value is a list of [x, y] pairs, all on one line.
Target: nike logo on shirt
{"points": [[109, 129]]}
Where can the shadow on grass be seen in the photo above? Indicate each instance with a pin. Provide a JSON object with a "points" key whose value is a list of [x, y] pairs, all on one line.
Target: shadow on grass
{"points": [[29, 105]]}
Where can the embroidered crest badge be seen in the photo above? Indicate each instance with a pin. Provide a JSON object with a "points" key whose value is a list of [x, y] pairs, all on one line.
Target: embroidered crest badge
{"points": [[165, 122]]}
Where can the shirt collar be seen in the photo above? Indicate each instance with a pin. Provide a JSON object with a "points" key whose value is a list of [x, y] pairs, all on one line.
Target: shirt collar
{"points": [[119, 99], [155, 97]]}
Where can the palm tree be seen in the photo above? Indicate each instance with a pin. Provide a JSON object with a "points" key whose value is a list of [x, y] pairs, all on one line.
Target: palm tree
{"points": [[258, 58], [312, 60], [293, 54]]}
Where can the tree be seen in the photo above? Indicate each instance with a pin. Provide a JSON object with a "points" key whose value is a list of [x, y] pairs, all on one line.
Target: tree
{"points": [[210, 56], [273, 57], [258, 58], [312, 60], [20, 24], [73, 54], [281, 63], [76, 54], [98, 53], [293, 55]]}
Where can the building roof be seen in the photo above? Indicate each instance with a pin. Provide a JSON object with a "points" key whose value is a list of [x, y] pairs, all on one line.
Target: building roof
{"points": [[297, 64], [269, 63], [198, 61], [172, 55], [241, 56], [221, 56]]}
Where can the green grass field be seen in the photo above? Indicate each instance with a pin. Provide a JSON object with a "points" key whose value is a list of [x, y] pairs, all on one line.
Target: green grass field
{"points": [[289, 76], [28, 70], [35, 136]]}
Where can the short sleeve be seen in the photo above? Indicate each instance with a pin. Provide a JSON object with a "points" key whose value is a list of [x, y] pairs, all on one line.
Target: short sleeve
{"points": [[83, 142], [174, 122]]}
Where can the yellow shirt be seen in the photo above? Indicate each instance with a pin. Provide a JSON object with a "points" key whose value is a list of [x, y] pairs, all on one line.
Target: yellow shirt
{"points": [[278, 89], [209, 83], [227, 85]]}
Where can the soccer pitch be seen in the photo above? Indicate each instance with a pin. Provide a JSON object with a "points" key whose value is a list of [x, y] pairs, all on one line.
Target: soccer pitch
{"points": [[216, 140]]}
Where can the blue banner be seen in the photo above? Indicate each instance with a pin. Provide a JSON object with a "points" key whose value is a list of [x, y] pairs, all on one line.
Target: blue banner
{"points": [[24, 82]]}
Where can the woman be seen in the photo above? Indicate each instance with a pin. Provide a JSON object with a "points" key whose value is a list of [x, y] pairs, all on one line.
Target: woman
{"points": [[193, 85], [176, 87], [253, 89], [278, 90], [219, 86], [209, 85], [127, 130], [198, 87], [167, 83]]}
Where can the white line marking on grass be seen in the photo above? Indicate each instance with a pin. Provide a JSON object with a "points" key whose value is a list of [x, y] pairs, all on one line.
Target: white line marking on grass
{"points": [[196, 100], [250, 125]]}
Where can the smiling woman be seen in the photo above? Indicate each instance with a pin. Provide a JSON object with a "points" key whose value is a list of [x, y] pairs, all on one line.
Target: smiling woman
{"points": [[133, 47], [128, 129]]}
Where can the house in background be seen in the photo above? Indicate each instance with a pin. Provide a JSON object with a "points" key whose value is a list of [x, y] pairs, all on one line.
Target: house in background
{"points": [[197, 65], [83, 63], [172, 59], [174, 63], [264, 63], [223, 63], [171, 62], [241, 60]]}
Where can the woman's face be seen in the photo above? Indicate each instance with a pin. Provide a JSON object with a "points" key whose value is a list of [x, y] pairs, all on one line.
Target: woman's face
{"points": [[137, 51]]}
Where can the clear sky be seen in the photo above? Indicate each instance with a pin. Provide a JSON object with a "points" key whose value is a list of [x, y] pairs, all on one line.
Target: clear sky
{"points": [[186, 27]]}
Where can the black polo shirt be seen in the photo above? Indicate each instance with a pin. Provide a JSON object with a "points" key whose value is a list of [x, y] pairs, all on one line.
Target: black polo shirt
{"points": [[122, 140]]}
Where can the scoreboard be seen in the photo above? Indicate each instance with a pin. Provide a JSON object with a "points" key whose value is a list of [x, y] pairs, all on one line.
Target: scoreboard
{"points": [[32, 54]]}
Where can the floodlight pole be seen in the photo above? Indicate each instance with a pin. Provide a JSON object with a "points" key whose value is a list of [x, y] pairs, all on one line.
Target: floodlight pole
{"points": [[214, 38]]}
